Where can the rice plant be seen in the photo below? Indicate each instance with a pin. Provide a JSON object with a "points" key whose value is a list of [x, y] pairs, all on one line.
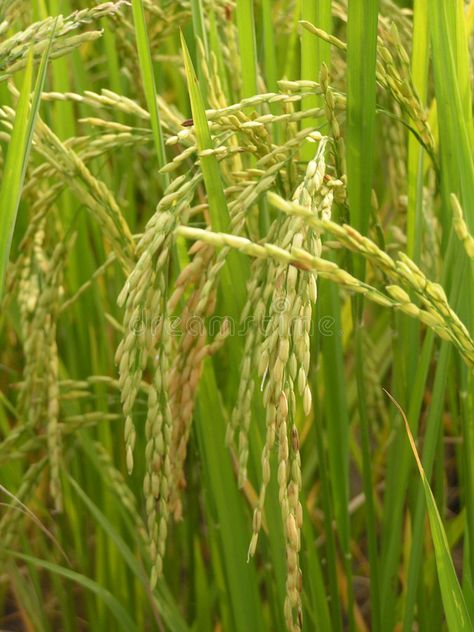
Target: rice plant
{"points": [[236, 273]]}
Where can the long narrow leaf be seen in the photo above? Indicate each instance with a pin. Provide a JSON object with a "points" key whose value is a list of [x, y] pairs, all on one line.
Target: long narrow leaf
{"points": [[233, 273], [148, 78], [18, 154], [14, 172], [455, 607], [124, 621]]}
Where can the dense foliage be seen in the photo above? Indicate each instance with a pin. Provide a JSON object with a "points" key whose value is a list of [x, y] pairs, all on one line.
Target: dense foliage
{"points": [[236, 267]]}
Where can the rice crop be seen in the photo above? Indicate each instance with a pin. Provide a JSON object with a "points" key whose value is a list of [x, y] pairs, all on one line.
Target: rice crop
{"points": [[236, 291]]}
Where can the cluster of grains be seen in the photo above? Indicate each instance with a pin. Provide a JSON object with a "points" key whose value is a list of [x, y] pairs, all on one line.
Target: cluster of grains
{"points": [[330, 112], [39, 295], [231, 53], [64, 162], [393, 70], [278, 345], [437, 313], [259, 288], [203, 272], [257, 179], [144, 296], [189, 356], [461, 228], [146, 339], [93, 193], [233, 117], [176, 361], [285, 362], [393, 74], [106, 99], [15, 50]]}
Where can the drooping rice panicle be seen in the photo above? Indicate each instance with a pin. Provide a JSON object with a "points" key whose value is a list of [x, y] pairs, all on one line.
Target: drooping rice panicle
{"points": [[14, 50], [461, 228], [143, 295], [438, 315], [283, 360], [397, 80], [40, 290]]}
